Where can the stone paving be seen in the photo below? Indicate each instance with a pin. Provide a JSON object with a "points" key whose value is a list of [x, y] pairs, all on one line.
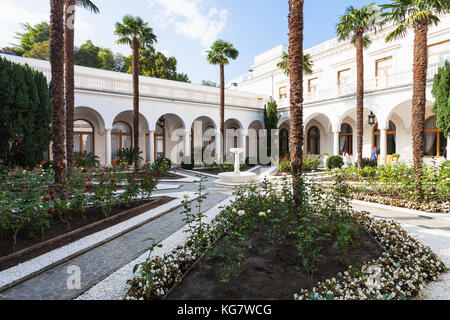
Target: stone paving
{"points": [[100, 262]]}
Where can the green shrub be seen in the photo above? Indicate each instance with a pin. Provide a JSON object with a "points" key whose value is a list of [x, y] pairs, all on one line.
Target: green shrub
{"points": [[310, 163], [188, 163], [163, 164], [285, 165], [47, 165], [366, 162], [335, 162]]}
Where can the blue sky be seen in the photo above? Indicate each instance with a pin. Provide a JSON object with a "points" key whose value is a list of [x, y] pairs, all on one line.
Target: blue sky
{"points": [[186, 28]]}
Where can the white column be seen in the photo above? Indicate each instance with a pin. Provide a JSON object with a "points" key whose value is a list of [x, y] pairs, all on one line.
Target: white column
{"points": [[448, 147], [383, 146], [244, 146], [187, 144], [108, 150], [150, 146], [336, 143], [219, 147]]}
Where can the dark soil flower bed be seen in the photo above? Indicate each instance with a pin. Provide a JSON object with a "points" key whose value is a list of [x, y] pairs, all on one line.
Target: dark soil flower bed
{"points": [[265, 275], [57, 235], [216, 171]]}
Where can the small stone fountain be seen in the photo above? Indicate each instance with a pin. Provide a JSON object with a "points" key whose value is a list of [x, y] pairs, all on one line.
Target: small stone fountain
{"points": [[236, 178]]}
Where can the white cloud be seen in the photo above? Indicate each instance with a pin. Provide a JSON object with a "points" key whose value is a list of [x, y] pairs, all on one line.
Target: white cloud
{"points": [[11, 16], [191, 19]]}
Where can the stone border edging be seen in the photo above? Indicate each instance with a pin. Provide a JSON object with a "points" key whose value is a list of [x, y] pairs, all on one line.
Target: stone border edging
{"points": [[114, 287], [215, 176], [29, 269], [401, 210]]}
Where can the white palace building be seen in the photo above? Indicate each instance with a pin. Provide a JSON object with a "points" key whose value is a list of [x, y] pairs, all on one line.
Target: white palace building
{"points": [[103, 102]]}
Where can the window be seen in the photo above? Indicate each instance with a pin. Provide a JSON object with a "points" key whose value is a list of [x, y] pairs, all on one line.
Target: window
{"points": [[344, 77], [391, 138], [439, 52], [435, 142], [313, 139], [312, 85], [83, 138], [383, 67], [346, 139], [283, 93], [120, 138], [284, 143]]}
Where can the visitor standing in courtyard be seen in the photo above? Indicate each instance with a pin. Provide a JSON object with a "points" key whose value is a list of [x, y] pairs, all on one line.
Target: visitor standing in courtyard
{"points": [[375, 155]]}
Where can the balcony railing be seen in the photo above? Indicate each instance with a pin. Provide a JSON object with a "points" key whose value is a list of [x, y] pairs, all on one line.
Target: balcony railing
{"points": [[101, 80], [370, 85]]}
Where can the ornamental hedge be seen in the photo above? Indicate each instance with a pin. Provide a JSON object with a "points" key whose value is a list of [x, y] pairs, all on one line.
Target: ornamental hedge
{"points": [[25, 115]]}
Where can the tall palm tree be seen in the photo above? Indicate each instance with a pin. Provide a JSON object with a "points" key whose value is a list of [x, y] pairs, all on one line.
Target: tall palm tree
{"points": [[284, 63], [418, 15], [69, 34], [354, 25], [136, 33], [296, 104], [220, 53], [57, 92]]}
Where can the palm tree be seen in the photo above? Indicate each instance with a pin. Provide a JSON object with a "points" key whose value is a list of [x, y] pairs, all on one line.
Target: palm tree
{"points": [[296, 78], [69, 34], [284, 63], [418, 15], [220, 53], [354, 25], [57, 92], [136, 33]]}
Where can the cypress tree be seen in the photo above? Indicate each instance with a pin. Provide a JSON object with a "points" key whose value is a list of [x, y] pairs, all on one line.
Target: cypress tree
{"points": [[441, 93], [25, 115]]}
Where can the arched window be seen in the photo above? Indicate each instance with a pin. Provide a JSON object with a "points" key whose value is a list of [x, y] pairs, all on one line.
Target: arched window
{"points": [[391, 138], [120, 138], [83, 138], [435, 142], [346, 139], [284, 143], [313, 139]]}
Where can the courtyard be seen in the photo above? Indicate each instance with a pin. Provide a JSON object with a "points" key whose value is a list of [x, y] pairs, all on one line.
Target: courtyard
{"points": [[314, 176]]}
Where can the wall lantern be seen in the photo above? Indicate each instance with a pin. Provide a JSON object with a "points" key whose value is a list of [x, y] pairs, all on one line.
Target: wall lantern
{"points": [[162, 122], [371, 119]]}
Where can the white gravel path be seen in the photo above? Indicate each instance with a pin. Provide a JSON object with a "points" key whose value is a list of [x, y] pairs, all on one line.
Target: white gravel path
{"points": [[114, 287]]}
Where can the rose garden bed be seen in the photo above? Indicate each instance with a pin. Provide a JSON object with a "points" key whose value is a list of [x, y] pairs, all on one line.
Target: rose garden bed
{"points": [[258, 248], [32, 211], [29, 246]]}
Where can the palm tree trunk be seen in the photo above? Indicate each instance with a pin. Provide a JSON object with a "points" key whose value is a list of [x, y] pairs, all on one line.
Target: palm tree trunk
{"points": [[135, 48], [419, 99], [69, 77], [222, 108], [57, 91], [359, 95], [296, 103]]}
